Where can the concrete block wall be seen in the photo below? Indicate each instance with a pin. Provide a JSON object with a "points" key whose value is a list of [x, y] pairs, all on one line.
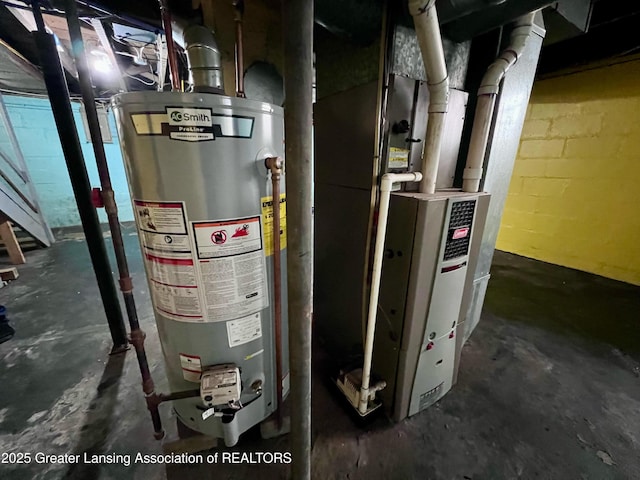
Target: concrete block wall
{"points": [[33, 122], [573, 198]]}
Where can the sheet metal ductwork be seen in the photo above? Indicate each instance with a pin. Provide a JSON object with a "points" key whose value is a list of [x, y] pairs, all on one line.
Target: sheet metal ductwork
{"points": [[359, 20]]}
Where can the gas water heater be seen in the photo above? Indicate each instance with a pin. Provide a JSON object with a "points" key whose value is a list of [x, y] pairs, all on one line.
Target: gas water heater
{"points": [[203, 203]]}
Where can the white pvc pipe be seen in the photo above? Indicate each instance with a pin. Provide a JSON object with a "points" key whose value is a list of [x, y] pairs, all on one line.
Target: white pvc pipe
{"points": [[478, 143], [427, 26], [487, 94], [385, 195], [431, 155]]}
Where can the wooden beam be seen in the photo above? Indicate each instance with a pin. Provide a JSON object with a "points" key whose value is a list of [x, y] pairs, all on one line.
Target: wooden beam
{"points": [[11, 243]]}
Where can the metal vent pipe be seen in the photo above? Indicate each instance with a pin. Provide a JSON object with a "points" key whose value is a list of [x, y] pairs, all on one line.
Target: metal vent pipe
{"points": [[203, 57]]}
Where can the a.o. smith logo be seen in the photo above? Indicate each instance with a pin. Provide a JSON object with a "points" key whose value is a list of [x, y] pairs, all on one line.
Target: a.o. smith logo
{"points": [[192, 124], [198, 117], [189, 124]]}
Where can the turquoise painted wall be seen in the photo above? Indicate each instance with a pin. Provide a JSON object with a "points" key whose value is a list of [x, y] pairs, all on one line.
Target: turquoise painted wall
{"points": [[35, 128]]}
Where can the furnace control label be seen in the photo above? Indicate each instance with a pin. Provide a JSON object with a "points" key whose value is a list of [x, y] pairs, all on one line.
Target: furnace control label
{"points": [[267, 222], [168, 259], [232, 269], [398, 157]]}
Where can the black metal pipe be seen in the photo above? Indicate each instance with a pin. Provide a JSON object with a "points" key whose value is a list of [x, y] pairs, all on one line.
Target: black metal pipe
{"points": [[126, 284], [169, 397], [298, 79], [63, 114]]}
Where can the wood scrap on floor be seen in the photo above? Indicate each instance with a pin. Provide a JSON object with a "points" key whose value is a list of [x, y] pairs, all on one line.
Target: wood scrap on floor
{"points": [[8, 274], [11, 243]]}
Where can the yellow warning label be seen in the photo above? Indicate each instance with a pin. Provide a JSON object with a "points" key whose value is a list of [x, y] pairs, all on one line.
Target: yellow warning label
{"points": [[398, 157], [267, 223]]}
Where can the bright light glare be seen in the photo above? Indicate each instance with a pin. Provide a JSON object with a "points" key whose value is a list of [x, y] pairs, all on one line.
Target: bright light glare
{"points": [[102, 65], [60, 48]]}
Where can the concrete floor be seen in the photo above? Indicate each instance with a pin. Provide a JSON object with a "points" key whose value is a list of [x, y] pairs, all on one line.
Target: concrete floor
{"points": [[549, 386]]}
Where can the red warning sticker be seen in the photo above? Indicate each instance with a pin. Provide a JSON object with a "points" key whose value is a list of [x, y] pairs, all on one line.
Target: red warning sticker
{"points": [[227, 238], [219, 237], [168, 259], [191, 367], [231, 268], [460, 233]]}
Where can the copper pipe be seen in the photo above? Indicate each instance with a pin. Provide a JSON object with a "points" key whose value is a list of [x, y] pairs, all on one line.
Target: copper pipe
{"points": [[239, 55], [274, 164], [171, 48]]}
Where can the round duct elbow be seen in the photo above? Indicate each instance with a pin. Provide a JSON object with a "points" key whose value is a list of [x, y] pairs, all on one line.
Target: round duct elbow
{"points": [[204, 60]]}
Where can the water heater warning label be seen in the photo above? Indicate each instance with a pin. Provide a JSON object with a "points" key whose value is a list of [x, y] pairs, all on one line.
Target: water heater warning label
{"points": [[224, 239], [168, 259], [244, 330], [191, 367], [267, 221], [161, 217], [232, 269]]}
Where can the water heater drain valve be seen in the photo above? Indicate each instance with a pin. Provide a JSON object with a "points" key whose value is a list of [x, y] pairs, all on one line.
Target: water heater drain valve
{"points": [[220, 386]]}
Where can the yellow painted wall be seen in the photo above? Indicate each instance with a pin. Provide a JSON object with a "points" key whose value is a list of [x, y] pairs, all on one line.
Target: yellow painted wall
{"points": [[574, 198]]}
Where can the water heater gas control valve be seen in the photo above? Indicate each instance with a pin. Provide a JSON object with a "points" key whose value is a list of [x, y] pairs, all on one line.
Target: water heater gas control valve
{"points": [[220, 385]]}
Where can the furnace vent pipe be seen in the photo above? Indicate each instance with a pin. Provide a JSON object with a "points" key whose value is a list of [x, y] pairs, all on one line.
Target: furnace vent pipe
{"points": [[487, 94], [425, 19], [204, 59]]}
